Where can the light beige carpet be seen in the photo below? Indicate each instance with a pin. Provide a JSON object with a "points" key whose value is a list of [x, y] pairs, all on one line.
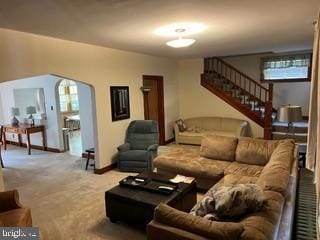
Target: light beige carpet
{"points": [[66, 201]]}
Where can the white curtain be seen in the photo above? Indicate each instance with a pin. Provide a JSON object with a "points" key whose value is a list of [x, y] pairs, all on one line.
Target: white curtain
{"points": [[313, 149]]}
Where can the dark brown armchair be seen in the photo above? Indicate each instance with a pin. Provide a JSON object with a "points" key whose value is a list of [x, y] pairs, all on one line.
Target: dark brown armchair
{"points": [[12, 213]]}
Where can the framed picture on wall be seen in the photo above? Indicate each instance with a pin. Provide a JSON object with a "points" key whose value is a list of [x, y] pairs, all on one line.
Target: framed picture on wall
{"points": [[120, 106]]}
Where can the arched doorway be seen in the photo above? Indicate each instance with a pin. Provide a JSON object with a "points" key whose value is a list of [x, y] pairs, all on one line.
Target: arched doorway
{"points": [[48, 115], [69, 116], [77, 116]]}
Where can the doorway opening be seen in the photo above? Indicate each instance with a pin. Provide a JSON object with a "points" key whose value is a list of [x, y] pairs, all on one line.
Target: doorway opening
{"points": [[76, 109], [153, 100], [70, 116], [41, 93]]}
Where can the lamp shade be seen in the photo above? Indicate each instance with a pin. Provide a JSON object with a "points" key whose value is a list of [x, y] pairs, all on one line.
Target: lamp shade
{"points": [[15, 111], [290, 113], [31, 110]]}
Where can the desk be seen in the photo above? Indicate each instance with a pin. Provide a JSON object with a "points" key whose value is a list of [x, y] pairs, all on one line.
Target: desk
{"points": [[24, 129]]}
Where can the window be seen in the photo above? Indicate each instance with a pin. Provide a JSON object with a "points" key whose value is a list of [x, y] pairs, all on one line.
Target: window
{"points": [[68, 96], [286, 68]]}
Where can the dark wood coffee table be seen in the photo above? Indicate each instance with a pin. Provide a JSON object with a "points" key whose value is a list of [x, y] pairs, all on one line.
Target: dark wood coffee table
{"points": [[136, 206]]}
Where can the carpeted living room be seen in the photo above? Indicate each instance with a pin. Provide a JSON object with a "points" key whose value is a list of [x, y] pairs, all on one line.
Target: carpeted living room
{"points": [[159, 119]]}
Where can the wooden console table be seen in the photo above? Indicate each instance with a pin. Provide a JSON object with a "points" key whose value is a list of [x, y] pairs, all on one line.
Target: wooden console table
{"points": [[26, 129]]}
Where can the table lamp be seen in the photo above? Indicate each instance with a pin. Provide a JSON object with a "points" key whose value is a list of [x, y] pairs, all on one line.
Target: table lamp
{"points": [[290, 113], [31, 110], [15, 112]]}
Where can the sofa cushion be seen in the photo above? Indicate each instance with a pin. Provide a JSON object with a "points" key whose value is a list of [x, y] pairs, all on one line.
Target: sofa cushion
{"points": [[275, 175], [232, 179], [262, 225], [243, 169], [201, 133], [218, 147], [20, 217], [255, 151], [194, 224], [189, 163]]}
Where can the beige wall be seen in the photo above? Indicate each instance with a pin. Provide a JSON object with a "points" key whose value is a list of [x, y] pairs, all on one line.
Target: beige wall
{"points": [[24, 55], [196, 101], [284, 93]]}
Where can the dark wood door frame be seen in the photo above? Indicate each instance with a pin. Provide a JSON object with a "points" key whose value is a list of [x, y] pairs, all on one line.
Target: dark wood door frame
{"points": [[159, 79]]}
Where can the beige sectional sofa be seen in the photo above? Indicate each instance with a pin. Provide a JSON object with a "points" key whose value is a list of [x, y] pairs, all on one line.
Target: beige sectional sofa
{"points": [[225, 161], [201, 126]]}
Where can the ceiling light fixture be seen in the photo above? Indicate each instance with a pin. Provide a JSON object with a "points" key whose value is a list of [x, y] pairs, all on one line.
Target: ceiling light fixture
{"points": [[189, 29], [180, 42]]}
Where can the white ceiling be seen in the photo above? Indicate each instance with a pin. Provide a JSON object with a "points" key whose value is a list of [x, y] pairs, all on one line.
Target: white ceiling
{"points": [[234, 26]]}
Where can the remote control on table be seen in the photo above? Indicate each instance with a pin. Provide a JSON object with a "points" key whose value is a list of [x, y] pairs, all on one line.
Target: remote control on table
{"points": [[165, 188]]}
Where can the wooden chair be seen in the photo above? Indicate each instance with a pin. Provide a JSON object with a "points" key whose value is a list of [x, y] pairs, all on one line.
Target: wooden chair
{"points": [[1, 134]]}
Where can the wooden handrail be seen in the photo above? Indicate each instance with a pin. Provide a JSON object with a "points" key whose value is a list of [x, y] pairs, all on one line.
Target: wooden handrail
{"points": [[262, 114], [238, 71]]}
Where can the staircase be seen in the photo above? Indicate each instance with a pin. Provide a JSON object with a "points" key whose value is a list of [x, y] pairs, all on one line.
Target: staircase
{"points": [[240, 91]]}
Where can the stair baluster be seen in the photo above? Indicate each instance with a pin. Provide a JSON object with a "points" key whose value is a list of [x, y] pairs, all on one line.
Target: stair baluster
{"points": [[248, 96]]}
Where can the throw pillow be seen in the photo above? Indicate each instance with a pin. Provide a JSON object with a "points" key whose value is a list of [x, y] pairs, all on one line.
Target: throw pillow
{"points": [[181, 125], [229, 203]]}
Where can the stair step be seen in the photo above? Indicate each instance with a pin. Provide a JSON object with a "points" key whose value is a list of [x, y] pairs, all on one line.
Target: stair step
{"points": [[227, 87], [229, 93], [246, 105], [298, 137], [235, 92], [273, 115], [295, 129], [259, 109], [298, 127], [244, 99], [303, 124], [253, 103]]}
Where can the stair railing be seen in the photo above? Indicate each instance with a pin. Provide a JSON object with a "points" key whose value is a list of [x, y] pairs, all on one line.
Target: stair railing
{"points": [[256, 91]]}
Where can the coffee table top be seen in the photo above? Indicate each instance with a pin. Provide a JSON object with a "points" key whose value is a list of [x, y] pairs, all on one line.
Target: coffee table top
{"points": [[150, 198]]}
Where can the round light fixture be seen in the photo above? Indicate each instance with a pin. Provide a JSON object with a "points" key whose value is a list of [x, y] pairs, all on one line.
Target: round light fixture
{"points": [[189, 29], [180, 42]]}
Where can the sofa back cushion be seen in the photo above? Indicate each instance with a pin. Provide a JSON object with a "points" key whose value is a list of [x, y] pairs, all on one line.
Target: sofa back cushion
{"points": [[215, 123], [197, 225], [219, 147], [275, 175], [193, 122], [211, 123], [255, 151]]}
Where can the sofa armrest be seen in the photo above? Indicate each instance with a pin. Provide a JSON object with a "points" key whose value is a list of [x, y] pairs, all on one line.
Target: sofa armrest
{"points": [[153, 147], [159, 231], [124, 147], [197, 225], [242, 129], [9, 200], [176, 132]]}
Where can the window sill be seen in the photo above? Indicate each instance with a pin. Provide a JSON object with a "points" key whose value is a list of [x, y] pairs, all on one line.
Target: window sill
{"points": [[285, 80]]}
